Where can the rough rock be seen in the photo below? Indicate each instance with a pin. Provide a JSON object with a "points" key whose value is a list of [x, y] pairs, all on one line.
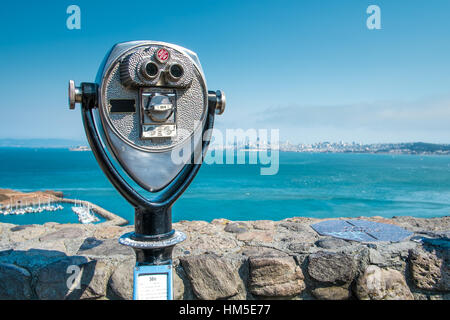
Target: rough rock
{"points": [[213, 277], [219, 264], [94, 279], [72, 245], [294, 226], [332, 293], [53, 245], [331, 268], [178, 287], [32, 259], [445, 296], [220, 221], [236, 227], [300, 247], [23, 233], [419, 224], [64, 233], [430, 270], [104, 248], [295, 232], [121, 281], [256, 236], [108, 232], [376, 258], [332, 243], [15, 283], [264, 224], [199, 239], [58, 280], [397, 249], [275, 277], [182, 288], [382, 284], [392, 255], [263, 252]]}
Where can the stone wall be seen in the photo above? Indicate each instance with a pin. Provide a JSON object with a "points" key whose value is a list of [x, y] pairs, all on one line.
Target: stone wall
{"points": [[230, 260]]}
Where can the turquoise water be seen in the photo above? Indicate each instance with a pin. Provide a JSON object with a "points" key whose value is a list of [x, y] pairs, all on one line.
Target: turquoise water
{"points": [[312, 185]]}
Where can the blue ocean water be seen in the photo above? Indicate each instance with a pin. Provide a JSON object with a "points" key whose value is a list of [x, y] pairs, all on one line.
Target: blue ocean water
{"points": [[310, 185]]}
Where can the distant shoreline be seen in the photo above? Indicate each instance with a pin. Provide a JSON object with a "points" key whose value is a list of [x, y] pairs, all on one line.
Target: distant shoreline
{"points": [[350, 152], [390, 152], [418, 147], [380, 153]]}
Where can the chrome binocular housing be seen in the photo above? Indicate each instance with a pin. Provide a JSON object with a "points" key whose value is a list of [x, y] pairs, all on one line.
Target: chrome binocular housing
{"points": [[151, 102]]}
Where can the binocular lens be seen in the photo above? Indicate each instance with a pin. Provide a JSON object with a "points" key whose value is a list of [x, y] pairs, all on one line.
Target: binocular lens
{"points": [[176, 71], [151, 69]]}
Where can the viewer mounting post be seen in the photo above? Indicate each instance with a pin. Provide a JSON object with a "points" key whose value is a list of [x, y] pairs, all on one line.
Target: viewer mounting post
{"points": [[149, 102]]}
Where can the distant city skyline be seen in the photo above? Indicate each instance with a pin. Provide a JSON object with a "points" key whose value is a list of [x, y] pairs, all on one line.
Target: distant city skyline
{"points": [[284, 145], [311, 69]]}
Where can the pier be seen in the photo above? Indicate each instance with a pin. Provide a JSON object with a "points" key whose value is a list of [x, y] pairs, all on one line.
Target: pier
{"points": [[20, 200], [111, 218]]}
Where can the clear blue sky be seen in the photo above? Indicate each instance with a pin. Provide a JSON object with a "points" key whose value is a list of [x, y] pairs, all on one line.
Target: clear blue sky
{"points": [[310, 68]]}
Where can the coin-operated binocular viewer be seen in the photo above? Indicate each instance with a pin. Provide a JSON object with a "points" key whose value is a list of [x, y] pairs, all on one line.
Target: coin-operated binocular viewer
{"points": [[149, 103]]}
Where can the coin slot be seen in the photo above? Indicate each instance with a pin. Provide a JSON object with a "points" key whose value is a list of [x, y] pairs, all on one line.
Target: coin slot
{"points": [[122, 105]]}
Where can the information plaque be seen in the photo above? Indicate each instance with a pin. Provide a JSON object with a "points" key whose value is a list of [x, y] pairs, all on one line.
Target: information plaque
{"points": [[152, 282]]}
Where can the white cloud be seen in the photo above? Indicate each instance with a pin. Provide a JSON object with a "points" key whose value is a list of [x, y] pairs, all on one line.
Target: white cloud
{"points": [[426, 119]]}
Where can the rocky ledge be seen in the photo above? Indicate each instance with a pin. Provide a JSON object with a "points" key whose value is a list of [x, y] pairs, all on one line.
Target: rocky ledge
{"points": [[230, 260]]}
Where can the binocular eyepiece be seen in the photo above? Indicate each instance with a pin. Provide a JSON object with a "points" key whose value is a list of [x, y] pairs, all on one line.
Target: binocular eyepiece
{"points": [[150, 70]]}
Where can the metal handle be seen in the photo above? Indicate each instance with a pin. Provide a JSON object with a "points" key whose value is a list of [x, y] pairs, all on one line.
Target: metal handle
{"points": [[75, 95], [218, 100]]}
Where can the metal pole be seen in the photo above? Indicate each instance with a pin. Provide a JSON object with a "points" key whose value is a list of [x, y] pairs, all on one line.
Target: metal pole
{"points": [[153, 242], [153, 239]]}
